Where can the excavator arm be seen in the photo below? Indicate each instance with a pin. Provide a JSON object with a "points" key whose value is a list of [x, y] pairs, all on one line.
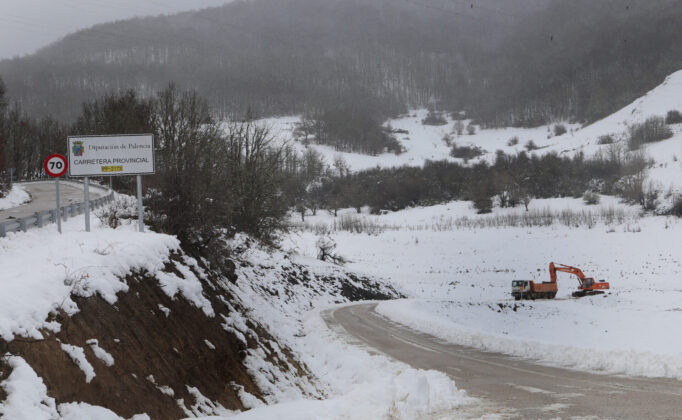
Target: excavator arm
{"points": [[587, 285], [566, 269]]}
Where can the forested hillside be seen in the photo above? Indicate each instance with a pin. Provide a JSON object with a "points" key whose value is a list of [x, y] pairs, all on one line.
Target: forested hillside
{"points": [[607, 55], [513, 62]]}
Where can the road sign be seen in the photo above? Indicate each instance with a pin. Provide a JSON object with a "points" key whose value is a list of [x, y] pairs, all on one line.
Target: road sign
{"points": [[56, 165], [122, 154], [111, 155]]}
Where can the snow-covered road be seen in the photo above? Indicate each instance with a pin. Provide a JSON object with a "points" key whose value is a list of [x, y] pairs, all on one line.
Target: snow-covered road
{"points": [[514, 388], [43, 198]]}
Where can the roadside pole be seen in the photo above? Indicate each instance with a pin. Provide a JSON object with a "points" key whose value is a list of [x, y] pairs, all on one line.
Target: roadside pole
{"points": [[55, 166], [140, 210], [87, 203], [58, 214]]}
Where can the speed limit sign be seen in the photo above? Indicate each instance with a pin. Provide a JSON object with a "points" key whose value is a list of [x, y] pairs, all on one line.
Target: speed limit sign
{"points": [[56, 165]]}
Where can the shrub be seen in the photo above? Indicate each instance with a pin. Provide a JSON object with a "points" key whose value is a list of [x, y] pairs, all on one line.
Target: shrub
{"points": [[605, 139], [458, 128], [447, 139], [673, 117], [513, 141], [434, 118], [530, 146], [591, 198], [559, 129], [651, 130], [4, 186], [677, 207], [458, 115], [124, 207], [483, 204], [471, 129], [650, 198], [465, 152], [631, 188], [326, 248], [347, 129]]}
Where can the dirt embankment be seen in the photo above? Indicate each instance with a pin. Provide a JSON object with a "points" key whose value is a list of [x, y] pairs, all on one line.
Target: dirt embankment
{"points": [[160, 346]]}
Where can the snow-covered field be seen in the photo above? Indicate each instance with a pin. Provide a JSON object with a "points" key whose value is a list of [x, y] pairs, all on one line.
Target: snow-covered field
{"points": [[459, 280], [16, 197], [425, 142]]}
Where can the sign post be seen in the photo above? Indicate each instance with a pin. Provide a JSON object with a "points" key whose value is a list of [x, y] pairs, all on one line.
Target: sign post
{"points": [[56, 165], [114, 155], [140, 210], [86, 197]]}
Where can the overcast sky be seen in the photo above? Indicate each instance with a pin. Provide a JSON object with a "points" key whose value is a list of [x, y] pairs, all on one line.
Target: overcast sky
{"points": [[26, 25]]}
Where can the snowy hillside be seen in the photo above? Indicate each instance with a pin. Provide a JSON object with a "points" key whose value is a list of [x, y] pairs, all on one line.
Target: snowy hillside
{"points": [[425, 142]]}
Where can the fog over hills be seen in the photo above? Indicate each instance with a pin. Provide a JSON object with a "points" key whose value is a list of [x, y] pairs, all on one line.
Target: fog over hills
{"points": [[508, 63]]}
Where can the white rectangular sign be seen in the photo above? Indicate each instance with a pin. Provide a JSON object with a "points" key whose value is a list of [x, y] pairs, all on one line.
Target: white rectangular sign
{"points": [[111, 155]]}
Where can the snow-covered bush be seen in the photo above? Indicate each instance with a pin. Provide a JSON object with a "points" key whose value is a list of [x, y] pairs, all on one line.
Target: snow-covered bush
{"points": [[513, 141], [123, 208], [326, 248]]}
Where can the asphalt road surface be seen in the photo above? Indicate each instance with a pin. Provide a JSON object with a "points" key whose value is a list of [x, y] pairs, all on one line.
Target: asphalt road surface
{"points": [[509, 386], [43, 198]]}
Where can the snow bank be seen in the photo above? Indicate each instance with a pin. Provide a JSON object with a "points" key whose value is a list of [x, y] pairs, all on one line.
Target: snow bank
{"points": [[362, 386], [286, 293], [16, 197], [449, 322], [41, 270]]}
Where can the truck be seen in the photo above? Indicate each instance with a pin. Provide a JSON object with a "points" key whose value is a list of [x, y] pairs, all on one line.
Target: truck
{"points": [[528, 289]]}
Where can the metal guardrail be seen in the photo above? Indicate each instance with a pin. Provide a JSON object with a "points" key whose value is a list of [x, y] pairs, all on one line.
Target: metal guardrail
{"points": [[40, 219]]}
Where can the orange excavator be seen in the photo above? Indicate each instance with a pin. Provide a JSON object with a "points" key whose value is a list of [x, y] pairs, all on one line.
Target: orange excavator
{"points": [[587, 284], [528, 289]]}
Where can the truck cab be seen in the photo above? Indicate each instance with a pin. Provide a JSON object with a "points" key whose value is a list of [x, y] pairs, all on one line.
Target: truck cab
{"points": [[520, 289]]}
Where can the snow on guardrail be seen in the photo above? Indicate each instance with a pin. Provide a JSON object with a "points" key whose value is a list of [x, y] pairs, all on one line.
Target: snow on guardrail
{"points": [[42, 218]]}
